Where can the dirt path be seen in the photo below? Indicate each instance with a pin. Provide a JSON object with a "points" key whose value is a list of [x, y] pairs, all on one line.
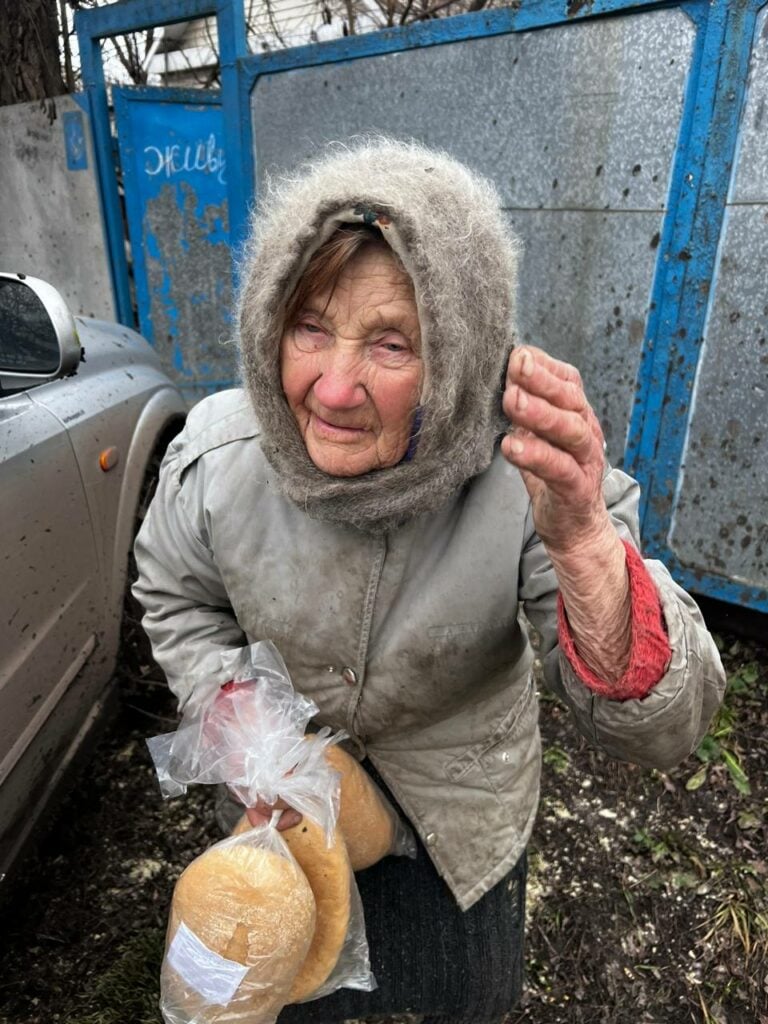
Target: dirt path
{"points": [[648, 892]]}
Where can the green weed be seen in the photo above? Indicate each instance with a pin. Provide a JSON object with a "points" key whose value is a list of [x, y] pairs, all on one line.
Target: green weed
{"points": [[720, 745], [557, 758], [741, 917]]}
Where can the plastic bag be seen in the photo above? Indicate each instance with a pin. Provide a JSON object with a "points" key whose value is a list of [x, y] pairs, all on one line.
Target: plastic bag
{"points": [[338, 957], [371, 826], [249, 734], [241, 924], [403, 843]]}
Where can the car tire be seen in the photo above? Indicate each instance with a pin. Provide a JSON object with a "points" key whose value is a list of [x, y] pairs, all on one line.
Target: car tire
{"points": [[135, 664]]}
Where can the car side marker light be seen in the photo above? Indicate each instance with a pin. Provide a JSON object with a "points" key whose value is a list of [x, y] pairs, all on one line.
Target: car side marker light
{"points": [[108, 459]]}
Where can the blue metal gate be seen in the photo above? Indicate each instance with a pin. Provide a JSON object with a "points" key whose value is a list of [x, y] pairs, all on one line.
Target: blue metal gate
{"points": [[174, 177], [686, 402]]}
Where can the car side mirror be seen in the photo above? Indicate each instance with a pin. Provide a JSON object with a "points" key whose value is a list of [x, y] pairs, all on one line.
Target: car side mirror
{"points": [[38, 335]]}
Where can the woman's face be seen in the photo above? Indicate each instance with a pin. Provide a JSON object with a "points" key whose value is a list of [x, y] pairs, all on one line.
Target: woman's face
{"points": [[351, 367]]}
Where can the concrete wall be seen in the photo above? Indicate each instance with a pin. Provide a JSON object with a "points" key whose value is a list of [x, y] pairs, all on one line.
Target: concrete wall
{"points": [[50, 220]]}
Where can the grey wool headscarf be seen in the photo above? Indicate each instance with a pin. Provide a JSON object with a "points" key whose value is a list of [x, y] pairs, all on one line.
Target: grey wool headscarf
{"points": [[444, 223]]}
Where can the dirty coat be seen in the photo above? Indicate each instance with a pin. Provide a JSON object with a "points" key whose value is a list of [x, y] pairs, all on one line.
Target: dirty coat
{"points": [[409, 639]]}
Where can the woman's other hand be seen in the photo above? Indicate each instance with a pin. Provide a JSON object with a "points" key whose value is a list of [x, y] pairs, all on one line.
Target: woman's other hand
{"points": [[234, 720], [261, 814], [557, 444]]}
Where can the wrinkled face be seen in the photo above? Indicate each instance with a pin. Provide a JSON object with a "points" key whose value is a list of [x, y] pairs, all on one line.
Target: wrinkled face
{"points": [[351, 367]]}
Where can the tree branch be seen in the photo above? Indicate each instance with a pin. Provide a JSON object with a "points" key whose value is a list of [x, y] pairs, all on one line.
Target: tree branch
{"points": [[433, 10]]}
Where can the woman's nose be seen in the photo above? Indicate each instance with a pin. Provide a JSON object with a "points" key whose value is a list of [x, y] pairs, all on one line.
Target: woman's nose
{"points": [[339, 385]]}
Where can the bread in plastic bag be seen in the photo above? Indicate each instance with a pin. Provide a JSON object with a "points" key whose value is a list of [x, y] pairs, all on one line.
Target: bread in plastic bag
{"points": [[371, 827], [335, 957], [249, 734], [241, 924]]}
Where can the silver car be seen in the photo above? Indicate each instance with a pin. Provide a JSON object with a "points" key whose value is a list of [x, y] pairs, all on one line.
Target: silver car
{"points": [[85, 414]]}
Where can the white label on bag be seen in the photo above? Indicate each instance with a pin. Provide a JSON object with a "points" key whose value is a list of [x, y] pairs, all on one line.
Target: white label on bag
{"points": [[212, 976]]}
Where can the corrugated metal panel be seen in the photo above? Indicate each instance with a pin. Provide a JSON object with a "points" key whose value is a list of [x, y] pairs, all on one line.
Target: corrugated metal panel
{"points": [[584, 286]]}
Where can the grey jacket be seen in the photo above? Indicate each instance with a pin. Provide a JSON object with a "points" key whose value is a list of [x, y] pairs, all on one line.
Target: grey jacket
{"points": [[409, 639]]}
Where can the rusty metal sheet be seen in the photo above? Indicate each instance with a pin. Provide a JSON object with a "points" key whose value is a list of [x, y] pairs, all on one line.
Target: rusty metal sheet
{"points": [[582, 115], [720, 518], [583, 295]]}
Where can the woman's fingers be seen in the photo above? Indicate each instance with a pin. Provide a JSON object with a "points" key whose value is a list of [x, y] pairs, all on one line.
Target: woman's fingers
{"points": [[597, 431], [530, 355], [557, 445], [546, 396], [540, 374], [288, 819], [256, 817], [261, 814], [548, 463], [567, 429]]}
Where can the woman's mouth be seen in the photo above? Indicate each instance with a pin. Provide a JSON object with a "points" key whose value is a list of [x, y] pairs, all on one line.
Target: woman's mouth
{"points": [[335, 431]]}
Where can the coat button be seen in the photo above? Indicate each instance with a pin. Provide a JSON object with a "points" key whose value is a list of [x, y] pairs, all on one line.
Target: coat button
{"points": [[430, 839], [349, 676]]}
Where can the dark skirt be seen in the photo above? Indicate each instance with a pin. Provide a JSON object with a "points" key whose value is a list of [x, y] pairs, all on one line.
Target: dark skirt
{"points": [[428, 956]]}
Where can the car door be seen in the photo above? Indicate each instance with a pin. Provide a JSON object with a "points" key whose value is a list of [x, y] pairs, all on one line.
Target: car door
{"points": [[50, 594]]}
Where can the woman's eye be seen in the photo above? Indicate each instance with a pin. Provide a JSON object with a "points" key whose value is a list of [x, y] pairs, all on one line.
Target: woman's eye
{"points": [[309, 336], [392, 349]]}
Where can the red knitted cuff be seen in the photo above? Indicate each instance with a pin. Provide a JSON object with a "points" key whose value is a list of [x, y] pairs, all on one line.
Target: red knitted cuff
{"points": [[650, 652]]}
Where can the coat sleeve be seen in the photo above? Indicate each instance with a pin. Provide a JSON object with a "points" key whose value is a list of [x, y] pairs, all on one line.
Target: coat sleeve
{"points": [[662, 728], [187, 613]]}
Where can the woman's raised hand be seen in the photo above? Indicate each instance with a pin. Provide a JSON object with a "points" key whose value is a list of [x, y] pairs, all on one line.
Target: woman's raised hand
{"points": [[557, 444]]}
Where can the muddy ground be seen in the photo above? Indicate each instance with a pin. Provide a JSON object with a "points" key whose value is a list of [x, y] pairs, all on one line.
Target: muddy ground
{"points": [[648, 897]]}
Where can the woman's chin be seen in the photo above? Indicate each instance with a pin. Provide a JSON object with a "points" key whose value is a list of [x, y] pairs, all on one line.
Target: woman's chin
{"points": [[342, 464], [335, 460]]}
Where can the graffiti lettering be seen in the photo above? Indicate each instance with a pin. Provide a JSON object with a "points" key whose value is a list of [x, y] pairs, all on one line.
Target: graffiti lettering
{"points": [[170, 160]]}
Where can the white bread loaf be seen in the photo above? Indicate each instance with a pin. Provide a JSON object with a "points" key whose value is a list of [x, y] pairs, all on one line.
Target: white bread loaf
{"points": [[329, 874], [250, 906], [366, 821]]}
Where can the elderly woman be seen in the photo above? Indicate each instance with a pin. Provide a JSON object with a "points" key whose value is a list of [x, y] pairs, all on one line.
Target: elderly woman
{"points": [[394, 483]]}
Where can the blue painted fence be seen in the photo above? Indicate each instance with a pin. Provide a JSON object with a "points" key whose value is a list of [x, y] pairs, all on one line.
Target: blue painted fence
{"points": [[697, 430]]}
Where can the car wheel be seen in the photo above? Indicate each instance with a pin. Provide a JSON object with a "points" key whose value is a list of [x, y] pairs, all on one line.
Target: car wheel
{"points": [[135, 664]]}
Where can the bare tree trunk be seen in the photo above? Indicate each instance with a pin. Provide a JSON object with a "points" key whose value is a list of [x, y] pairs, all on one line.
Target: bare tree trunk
{"points": [[350, 17], [69, 76], [29, 51]]}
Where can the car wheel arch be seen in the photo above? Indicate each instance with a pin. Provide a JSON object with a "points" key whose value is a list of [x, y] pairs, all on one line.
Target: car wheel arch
{"points": [[160, 421]]}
